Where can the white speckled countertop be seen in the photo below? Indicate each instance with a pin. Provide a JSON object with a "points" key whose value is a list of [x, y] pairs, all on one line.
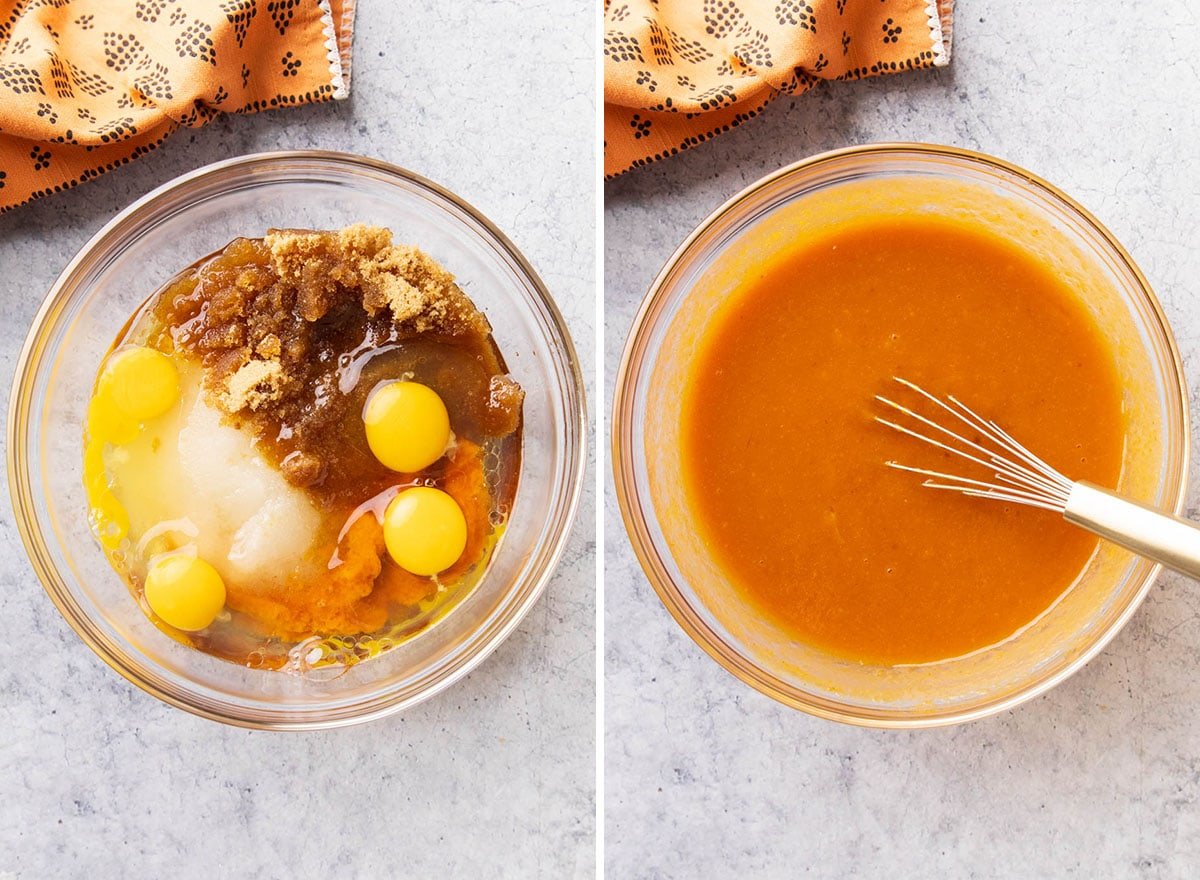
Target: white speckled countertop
{"points": [[1099, 778], [493, 778]]}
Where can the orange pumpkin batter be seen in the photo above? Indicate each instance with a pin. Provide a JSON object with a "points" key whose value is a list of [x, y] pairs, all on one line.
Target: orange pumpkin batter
{"points": [[784, 467]]}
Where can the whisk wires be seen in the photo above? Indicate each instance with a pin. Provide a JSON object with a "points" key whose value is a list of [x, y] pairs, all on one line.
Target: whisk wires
{"points": [[1016, 474]]}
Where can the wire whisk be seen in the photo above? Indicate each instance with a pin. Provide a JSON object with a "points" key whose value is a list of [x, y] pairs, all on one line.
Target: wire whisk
{"points": [[1012, 473]]}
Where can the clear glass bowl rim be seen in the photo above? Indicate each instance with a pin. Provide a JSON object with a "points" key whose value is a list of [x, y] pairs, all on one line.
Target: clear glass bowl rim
{"points": [[634, 361], [108, 238]]}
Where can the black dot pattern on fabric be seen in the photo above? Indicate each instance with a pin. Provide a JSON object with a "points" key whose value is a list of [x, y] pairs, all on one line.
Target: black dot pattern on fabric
{"points": [[620, 47], [291, 64], [722, 17], [122, 51], [754, 52], [797, 13], [194, 41], [691, 51], [149, 10], [89, 83], [21, 79], [240, 13], [155, 85], [115, 129], [282, 12], [40, 158], [660, 48]]}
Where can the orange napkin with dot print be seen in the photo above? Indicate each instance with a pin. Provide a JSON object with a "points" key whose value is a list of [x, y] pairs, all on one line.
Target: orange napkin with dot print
{"points": [[679, 72], [87, 85]]}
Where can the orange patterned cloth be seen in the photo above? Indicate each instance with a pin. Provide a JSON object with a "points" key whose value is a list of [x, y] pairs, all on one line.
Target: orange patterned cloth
{"points": [[87, 85], [679, 72]]}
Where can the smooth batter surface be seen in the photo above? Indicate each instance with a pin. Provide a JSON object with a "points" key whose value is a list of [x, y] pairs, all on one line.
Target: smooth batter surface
{"points": [[785, 467]]}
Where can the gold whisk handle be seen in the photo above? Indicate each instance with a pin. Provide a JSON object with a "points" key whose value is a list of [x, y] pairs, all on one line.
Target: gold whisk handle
{"points": [[1170, 540]]}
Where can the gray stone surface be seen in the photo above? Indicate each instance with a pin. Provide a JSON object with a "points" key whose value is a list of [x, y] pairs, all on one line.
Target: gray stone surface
{"points": [[493, 778], [1099, 778]]}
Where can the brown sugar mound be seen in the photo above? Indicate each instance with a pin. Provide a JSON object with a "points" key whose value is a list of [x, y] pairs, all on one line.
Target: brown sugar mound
{"points": [[263, 322], [275, 321], [418, 292]]}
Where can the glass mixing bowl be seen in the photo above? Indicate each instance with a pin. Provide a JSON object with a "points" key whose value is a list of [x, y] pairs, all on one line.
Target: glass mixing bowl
{"points": [[133, 256], [813, 195]]}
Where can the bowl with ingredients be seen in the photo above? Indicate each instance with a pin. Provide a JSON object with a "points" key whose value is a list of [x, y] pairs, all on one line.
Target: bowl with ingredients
{"points": [[750, 467], [296, 440]]}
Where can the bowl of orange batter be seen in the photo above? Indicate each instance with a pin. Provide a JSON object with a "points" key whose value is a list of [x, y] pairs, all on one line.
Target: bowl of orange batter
{"points": [[254, 409], [751, 475]]}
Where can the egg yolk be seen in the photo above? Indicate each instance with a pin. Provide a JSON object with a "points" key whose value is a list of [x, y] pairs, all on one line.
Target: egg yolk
{"points": [[407, 426], [184, 591], [108, 424], [424, 530], [141, 383]]}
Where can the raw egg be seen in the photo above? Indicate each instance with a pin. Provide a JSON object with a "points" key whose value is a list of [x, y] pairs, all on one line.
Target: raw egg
{"points": [[184, 591], [424, 530], [106, 423], [407, 425], [140, 382]]}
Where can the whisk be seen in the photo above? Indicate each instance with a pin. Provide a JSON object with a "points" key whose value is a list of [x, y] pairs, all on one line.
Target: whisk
{"points": [[1014, 474]]}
